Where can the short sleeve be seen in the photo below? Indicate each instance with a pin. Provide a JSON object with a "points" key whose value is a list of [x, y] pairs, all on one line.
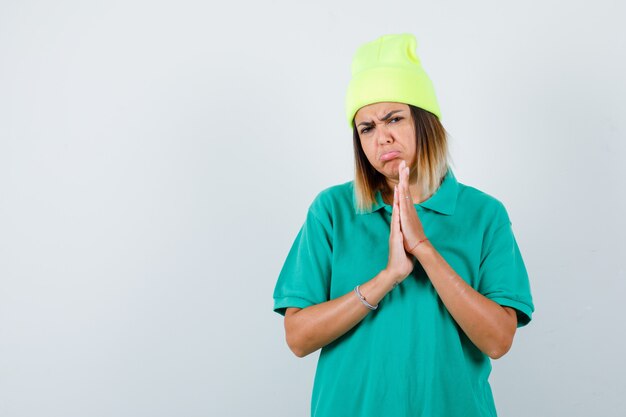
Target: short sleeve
{"points": [[304, 279], [502, 274]]}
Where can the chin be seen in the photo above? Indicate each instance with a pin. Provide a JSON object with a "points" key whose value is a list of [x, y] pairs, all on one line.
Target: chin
{"points": [[393, 175], [389, 172], [395, 172]]}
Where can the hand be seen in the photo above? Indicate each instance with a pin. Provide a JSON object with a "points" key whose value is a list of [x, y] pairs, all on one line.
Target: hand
{"points": [[400, 264], [410, 224]]}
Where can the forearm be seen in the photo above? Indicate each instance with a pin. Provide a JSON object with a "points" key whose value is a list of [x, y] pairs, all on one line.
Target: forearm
{"points": [[485, 322], [316, 326]]}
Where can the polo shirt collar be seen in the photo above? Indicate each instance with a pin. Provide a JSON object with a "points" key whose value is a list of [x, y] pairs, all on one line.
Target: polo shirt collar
{"points": [[442, 201]]}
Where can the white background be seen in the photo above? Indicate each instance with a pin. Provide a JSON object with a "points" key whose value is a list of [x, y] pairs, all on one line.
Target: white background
{"points": [[157, 160]]}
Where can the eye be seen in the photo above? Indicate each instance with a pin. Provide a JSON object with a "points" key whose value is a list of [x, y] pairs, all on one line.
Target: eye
{"points": [[396, 118], [365, 130]]}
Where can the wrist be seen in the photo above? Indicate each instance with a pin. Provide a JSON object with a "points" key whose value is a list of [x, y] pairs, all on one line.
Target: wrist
{"points": [[388, 279], [422, 248]]}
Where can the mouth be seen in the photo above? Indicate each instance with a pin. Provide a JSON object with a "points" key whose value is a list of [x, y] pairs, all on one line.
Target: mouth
{"points": [[389, 156]]}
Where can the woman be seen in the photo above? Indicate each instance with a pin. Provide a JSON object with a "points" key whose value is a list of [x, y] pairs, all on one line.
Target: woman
{"points": [[409, 281]]}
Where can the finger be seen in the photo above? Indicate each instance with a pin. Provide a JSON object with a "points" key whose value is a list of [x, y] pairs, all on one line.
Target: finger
{"points": [[407, 174], [405, 187], [400, 179], [400, 170], [394, 212], [399, 199], [398, 223], [405, 200], [396, 209]]}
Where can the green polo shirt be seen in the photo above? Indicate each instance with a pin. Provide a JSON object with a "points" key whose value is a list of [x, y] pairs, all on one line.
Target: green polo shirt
{"points": [[409, 357]]}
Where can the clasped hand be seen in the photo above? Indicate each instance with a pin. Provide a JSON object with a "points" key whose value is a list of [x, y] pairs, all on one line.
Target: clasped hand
{"points": [[406, 228]]}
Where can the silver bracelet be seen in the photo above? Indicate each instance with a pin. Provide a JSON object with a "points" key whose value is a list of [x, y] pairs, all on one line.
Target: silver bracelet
{"points": [[363, 300]]}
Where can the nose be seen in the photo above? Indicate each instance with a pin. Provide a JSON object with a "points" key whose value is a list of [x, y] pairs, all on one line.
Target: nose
{"points": [[384, 135]]}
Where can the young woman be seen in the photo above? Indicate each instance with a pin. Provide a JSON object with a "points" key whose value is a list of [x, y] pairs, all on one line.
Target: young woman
{"points": [[408, 280]]}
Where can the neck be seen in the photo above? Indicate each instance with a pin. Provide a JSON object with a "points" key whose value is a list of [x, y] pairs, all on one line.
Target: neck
{"points": [[413, 188]]}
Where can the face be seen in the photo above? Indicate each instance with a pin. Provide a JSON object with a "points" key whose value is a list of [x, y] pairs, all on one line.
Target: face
{"points": [[387, 136]]}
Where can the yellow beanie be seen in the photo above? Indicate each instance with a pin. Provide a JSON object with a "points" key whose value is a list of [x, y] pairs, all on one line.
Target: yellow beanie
{"points": [[388, 69]]}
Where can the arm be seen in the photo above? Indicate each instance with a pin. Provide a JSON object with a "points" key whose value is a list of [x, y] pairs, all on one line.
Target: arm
{"points": [[316, 326], [313, 327], [488, 325]]}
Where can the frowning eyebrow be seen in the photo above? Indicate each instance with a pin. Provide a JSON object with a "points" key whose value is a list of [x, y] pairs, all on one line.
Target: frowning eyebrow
{"points": [[384, 119]]}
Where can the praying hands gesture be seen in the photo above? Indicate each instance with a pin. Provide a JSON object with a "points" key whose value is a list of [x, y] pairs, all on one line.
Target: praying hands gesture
{"points": [[410, 224], [407, 233]]}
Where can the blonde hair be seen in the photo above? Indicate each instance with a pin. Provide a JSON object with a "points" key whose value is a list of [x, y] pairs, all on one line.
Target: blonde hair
{"points": [[432, 160]]}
